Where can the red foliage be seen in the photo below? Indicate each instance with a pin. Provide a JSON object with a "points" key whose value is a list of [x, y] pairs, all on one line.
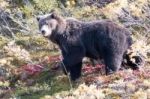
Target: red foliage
{"points": [[142, 73], [51, 59], [35, 69], [89, 79], [54, 58], [87, 69], [32, 69]]}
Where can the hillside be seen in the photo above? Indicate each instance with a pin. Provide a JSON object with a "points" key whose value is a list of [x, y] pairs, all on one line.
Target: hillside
{"points": [[29, 62]]}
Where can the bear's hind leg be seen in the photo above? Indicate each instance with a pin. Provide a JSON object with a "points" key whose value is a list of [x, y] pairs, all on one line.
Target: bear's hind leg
{"points": [[112, 63]]}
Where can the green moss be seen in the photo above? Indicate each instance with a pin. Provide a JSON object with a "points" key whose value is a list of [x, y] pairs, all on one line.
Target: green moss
{"points": [[18, 63], [3, 41], [47, 83]]}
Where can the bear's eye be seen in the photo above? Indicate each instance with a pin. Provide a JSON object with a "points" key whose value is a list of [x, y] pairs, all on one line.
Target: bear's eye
{"points": [[46, 23]]}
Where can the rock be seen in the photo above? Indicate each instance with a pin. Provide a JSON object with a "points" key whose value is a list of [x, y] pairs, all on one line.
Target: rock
{"points": [[9, 26]]}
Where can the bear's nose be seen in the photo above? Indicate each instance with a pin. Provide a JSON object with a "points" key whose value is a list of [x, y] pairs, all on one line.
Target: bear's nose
{"points": [[43, 32]]}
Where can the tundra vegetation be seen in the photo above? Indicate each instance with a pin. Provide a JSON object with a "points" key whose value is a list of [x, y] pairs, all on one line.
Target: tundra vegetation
{"points": [[29, 62]]}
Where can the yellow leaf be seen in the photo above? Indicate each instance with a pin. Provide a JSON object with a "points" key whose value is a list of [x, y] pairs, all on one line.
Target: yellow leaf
{"points": [[140, 94]]}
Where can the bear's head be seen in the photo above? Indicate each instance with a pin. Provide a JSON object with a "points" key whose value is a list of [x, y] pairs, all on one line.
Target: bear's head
{"points": [[51, 24]]}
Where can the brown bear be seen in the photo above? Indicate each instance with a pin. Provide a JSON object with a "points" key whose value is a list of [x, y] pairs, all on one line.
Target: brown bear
{"points": [[100, 39]]}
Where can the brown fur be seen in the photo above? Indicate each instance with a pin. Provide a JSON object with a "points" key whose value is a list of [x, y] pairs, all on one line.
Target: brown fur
{"points": [[95, 39]]}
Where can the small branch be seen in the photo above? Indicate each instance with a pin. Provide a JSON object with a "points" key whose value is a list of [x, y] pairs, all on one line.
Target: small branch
{"points": [[7, 25]]}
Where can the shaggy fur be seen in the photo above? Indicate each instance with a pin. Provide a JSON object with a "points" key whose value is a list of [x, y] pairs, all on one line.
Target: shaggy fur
{"points": [[96, 39]]}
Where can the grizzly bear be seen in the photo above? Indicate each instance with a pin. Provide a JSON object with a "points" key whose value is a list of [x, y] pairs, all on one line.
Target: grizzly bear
{"points": [[100, 39]]}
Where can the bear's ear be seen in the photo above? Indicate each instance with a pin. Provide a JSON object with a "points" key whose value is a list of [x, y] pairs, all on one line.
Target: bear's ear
{"points": [[38, 18], [53, 15]]}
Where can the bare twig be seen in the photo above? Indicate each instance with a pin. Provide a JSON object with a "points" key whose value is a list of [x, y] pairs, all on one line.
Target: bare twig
{"points": [[7, 24]]}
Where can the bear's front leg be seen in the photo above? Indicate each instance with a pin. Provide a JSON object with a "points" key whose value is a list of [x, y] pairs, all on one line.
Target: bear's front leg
{"points": [[72, 58], [75, 71], [73, 63], [72, 66]]}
